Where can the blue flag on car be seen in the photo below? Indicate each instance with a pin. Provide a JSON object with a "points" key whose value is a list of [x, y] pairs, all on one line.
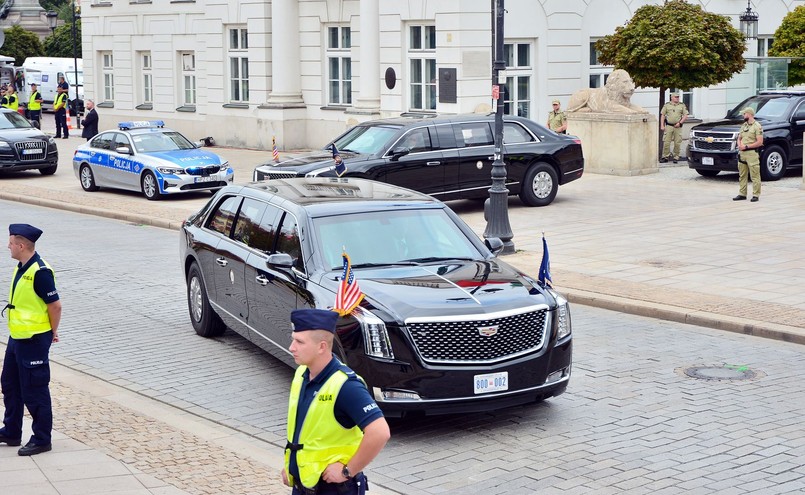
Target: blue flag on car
{"points": [[545, 267], [340, 166]]}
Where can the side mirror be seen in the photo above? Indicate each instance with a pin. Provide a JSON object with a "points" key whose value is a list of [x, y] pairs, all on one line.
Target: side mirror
{"points": [[396, 153], [281, 260], [123, 150], [494, 244]]}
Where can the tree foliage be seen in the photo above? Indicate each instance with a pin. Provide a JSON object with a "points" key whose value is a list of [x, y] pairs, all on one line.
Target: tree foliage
{"points": [[60, 43], [21, 44], [789, 41], [53, 4], [675, 45]]}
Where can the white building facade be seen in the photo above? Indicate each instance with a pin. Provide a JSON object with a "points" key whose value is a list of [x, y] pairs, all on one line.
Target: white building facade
{"points": [[302, 71]]}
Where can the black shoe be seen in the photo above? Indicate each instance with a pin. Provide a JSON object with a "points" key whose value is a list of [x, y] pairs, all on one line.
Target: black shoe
{"points": [[739, 198], [663, 160], [676, 160], [66, 137], [10, 441], [33, 449], [755, 199]]}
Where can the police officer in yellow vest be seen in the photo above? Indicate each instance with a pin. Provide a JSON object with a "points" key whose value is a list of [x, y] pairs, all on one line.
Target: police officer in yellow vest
{"points": [[33, 312], [11, 100], [672, 116], [750, 140], [60, 111], [35, 106], [557, 120], [335, 428]]}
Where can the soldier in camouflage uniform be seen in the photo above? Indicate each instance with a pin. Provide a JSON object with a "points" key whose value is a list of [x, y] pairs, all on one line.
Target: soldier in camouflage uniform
{"points": [[750, 140], [557, 120], [672, 116]]}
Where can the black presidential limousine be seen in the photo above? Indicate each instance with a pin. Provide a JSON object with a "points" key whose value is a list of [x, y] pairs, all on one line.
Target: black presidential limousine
{"points": [[444, 327], [447, 157]]}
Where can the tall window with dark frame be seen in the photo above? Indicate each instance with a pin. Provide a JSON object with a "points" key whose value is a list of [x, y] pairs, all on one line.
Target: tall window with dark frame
{"points": [[598, 73], [422, 66], [339, 65], [238, 65], [517, 93]]}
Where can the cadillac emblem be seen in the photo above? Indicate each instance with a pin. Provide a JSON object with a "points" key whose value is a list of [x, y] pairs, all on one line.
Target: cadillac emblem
{"points": [[488, 331]]}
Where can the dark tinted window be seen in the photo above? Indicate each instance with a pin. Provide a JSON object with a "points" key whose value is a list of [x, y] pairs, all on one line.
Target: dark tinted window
{"points": [[250, 213], [104, 141], [288, 240], [515, 133], [224, 216], [265, 233], [417, 140], [473, 134], [121, 140], [800, 113]]}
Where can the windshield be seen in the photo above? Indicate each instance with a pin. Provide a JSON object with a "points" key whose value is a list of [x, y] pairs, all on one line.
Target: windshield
{"points": [[391, 237], [161, 141], [9, 120], [70, 77], [764, 107], [366, 139]]}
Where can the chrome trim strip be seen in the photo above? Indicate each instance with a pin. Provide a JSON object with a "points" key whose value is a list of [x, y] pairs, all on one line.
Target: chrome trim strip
{"points": [[471, 189]]}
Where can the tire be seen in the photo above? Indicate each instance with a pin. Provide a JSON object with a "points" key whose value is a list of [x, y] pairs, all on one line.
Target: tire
{"points": [[48, 170], [706, 172], [205, 322], [539, 186], [150, 186], [87, 178], [773, 163]]}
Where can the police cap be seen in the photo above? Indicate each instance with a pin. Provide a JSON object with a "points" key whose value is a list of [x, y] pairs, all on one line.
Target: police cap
{"points": [[23, 229], [749, 110], [313, 319]]}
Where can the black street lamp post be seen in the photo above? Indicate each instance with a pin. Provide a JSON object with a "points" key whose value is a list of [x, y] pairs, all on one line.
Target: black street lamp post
{"points": [[75, 68], [53, 19], [496, 209]]}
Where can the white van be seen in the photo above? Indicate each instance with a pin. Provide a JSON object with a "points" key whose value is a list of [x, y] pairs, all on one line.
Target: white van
{"points": [[45, 72]]}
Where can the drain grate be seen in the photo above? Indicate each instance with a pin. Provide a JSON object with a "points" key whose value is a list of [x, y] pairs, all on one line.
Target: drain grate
{"points": [[724, 372]]}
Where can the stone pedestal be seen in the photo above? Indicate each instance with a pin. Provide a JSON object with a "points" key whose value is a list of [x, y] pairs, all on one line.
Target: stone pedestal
{"points": [[616, 143], [29, 15]]}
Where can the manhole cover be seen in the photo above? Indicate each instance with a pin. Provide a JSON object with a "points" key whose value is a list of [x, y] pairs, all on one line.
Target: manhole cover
{"points": [[725, 372]]}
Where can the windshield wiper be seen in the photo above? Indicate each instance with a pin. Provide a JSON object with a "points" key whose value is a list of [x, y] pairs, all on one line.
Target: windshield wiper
{"points": [[431, 259]]}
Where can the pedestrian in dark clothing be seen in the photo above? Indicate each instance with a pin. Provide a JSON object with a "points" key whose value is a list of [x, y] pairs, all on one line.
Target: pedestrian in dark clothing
{"points": [[90, 121]]}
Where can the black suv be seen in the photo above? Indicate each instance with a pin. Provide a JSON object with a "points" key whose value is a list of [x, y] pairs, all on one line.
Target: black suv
{"points": [[444, 327], [24, 147], [447, 157], [713, 146]]}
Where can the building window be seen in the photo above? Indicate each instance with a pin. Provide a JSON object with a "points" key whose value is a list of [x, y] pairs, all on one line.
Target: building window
{"points": [[598, 73], [188, 78], [763, 46], [517, 93], [147, 77], [238, 65], [339, 65], [422, 63], [108, 74]]}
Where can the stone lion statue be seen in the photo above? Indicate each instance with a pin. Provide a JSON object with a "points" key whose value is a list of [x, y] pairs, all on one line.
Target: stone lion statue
{"points": [[612, 98]]}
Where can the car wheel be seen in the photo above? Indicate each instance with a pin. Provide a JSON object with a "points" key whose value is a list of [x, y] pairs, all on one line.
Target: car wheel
{"points": [[48, 170], [540, 185], [150, 186], [205, 322], [706, 172], [87, 179], [773, 163]]}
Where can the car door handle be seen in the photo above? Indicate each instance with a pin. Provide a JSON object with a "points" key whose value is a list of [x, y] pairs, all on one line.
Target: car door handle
{"points": [[491, 158], [431, 164], [262, 280], [221, 261]]}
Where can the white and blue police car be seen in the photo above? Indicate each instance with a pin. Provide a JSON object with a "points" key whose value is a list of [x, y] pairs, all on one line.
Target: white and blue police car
{"points": [[146, 156]]}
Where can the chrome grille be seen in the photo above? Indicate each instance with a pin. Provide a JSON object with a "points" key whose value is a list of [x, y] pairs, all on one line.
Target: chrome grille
{"points": [[31, 150], [713, 141], [279, 174], [467, 341], [203, 171]]}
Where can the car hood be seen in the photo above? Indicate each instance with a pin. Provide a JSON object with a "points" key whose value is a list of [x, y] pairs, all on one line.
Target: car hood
{"points": [[186, 158], [17, 134], [312, 162], [446, 289], [734, 125]]}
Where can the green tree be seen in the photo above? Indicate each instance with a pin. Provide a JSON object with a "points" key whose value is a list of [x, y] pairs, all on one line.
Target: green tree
{"points": [[675, 45], [21, 44], [789, 41], [60, 43], [53, 4]]}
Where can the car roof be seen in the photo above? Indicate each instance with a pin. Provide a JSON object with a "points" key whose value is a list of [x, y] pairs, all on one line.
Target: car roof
{"points": [[328, 195], [435, 119], [781, 93]]}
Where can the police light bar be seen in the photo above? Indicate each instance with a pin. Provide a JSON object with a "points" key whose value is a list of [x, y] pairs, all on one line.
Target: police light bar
{"points": [[140, 124]]}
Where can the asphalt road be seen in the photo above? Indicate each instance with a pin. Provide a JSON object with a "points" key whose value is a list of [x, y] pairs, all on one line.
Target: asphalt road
{"points": [[631, 421]]}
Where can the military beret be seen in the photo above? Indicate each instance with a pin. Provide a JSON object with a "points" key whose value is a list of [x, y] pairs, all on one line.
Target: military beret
{"points": [[313, 319], [555, 102], [23, 229], [749, 110]]}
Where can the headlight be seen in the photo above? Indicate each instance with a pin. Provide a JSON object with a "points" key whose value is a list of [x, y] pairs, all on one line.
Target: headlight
{"points": [[5, 145], [171, 170], [562, 318], [51, 141], [375, 336], [225, 166]]}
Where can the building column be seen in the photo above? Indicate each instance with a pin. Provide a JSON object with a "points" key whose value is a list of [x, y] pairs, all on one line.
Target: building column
{"points": [[286, 80], [369, 95]]}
